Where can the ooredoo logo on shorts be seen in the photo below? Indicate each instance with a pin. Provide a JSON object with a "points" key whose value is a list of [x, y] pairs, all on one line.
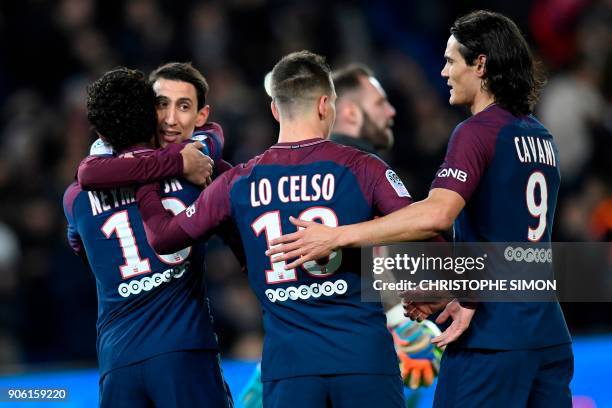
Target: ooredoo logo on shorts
{"points": [[304, 292]]}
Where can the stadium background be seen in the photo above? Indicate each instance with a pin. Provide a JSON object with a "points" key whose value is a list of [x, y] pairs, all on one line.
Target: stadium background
{"points": [[50, 50]]}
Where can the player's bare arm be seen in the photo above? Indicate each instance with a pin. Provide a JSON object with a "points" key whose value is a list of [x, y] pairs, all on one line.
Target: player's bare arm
{"points": [[419, 221]]}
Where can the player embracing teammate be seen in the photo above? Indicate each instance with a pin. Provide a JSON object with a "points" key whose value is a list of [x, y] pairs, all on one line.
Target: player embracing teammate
{"points": [[156, 344], [323, 346], [502, 354]]}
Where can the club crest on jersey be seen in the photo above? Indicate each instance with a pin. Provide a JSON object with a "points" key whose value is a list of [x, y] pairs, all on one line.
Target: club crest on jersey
{"points": [[397, 184]]}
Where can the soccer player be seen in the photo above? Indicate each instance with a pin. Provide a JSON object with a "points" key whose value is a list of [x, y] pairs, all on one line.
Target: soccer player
{"points": [[156, 345], [364, 120], [364, 116], [498, 183], [182, 113], [323, 346]]}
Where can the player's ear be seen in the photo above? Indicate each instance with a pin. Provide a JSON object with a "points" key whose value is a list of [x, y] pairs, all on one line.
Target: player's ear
{"points": [[481, 65], [275, 112], [323, 108], [202, 116]]}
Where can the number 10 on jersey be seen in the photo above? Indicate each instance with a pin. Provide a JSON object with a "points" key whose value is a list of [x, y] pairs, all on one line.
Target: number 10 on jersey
{"points": [[119, 225]]}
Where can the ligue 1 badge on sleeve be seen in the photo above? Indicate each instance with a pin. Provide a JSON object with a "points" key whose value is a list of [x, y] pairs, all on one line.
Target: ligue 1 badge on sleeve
{"points": [[204, 139], [100, 148], [397, 183]]}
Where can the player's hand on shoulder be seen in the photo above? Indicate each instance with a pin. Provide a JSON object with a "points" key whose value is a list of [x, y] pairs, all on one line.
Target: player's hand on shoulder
{"points": [[312, 241], [197, 167]]}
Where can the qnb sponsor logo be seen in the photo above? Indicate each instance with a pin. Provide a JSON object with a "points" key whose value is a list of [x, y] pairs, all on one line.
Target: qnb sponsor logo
{"points": [[454, 173], [304, 292], [147, 283], [518, 254]]}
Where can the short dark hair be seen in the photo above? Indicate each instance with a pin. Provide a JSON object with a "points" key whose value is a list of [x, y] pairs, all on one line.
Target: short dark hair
{"points": [[346, 79], [185, 72], [121, 107], [298, 77], [511, 74]]}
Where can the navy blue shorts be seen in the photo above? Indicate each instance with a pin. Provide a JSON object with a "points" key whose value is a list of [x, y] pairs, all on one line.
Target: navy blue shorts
{"points": [[500, 379], [190, 378], [337, 391]]}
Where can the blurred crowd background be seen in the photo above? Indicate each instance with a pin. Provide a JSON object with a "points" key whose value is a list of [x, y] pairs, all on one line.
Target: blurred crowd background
{"points": [[50, 50]]}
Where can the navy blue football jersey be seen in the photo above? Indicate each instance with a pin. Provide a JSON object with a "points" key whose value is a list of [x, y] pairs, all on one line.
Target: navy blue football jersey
{"points": [[506, 168], [148, 304], [315, 321]]}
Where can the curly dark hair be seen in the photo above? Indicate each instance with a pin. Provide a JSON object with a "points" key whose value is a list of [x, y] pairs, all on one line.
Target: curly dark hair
{"points": [[121, 108], [511, 73]]}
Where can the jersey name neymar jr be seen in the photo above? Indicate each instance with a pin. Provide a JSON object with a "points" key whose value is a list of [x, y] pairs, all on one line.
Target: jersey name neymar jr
{"points": [[148, 304]]}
